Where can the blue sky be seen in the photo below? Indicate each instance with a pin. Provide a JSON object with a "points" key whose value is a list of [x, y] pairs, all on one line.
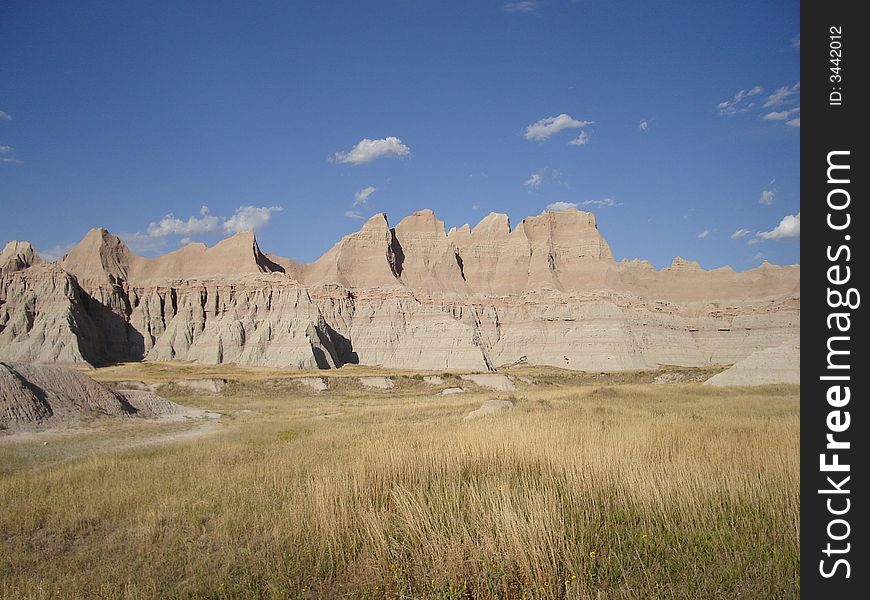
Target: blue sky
{"points": [[668, 120]]}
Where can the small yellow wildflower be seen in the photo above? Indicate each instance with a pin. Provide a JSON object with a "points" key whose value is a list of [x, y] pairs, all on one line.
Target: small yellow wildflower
{"points": [[592, 554]]}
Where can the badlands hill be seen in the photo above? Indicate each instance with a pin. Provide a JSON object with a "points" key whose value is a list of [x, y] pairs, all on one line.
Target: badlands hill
{"points": [[55, 396], [411, 296]]}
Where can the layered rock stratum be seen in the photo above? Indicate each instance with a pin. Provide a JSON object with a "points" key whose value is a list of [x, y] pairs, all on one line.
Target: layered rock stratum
{"points": [[546, 292]]}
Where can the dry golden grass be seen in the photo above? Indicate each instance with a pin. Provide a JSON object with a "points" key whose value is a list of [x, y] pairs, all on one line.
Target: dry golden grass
{"points": [[581, 491]]}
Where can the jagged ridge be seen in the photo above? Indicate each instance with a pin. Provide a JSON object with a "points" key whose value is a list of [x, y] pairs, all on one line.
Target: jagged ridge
{"points": [[413, 295]]}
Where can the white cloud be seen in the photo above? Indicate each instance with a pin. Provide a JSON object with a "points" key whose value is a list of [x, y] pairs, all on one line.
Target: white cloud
{"points": [[547, 174], [758, 256], [524, 6], [5, 116], [794, 122], [752, 241], [5, 151], [245, 218], [475, 206], [782, 115], [703, 234], [580, 140], [789, 227], [362, 196], [352, 214], [55, 252], [544, 128], [368, 150], [560, 206], [534, 181], [644, 125], [782, 95], [603, 203], [250, 218], [739, 103], [767, 197], [170, 225], [740, 233], [796, 42]]}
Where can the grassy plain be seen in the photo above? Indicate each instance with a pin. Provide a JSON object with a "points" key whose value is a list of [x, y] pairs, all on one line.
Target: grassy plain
{"points": [[592, 486]]}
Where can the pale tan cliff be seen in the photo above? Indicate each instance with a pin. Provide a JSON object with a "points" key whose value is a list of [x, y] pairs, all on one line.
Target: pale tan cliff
{"points": [[411, 296]]}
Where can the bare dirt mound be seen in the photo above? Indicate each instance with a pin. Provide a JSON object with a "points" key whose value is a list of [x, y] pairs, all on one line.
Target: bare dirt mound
{"points": [[781, 364], [495, 381], [489, 407], [32, 394], [210, 386], [20, 402], [315, 383], [378, 383], [150, 405]]}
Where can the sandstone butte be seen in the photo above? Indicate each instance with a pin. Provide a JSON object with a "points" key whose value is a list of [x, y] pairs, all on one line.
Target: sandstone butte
{"points": [[547, 292]]}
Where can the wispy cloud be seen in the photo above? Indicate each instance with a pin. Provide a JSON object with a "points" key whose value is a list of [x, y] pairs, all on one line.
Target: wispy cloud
{"points": [[789, 227], [643, 125], [368, 150], [782, 115], [525, 6], [560, 206], [55, 252], [758, 256], [6, 155], [740, 102], [603, 203], [580, 140], [142, 243], [794, 122], [740, 233], [796, 42], [782, 95], [250, 218], [362, 196], [767, 197], [703, 234], [534, 181], [546, 175], [5, 116], [549, 126], [352, 214]]}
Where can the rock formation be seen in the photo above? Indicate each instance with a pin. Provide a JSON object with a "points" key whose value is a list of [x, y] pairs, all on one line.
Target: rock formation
{"points": [[17, 256], [51, 395], [546, 292], [489, 407], [780, 364]]}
